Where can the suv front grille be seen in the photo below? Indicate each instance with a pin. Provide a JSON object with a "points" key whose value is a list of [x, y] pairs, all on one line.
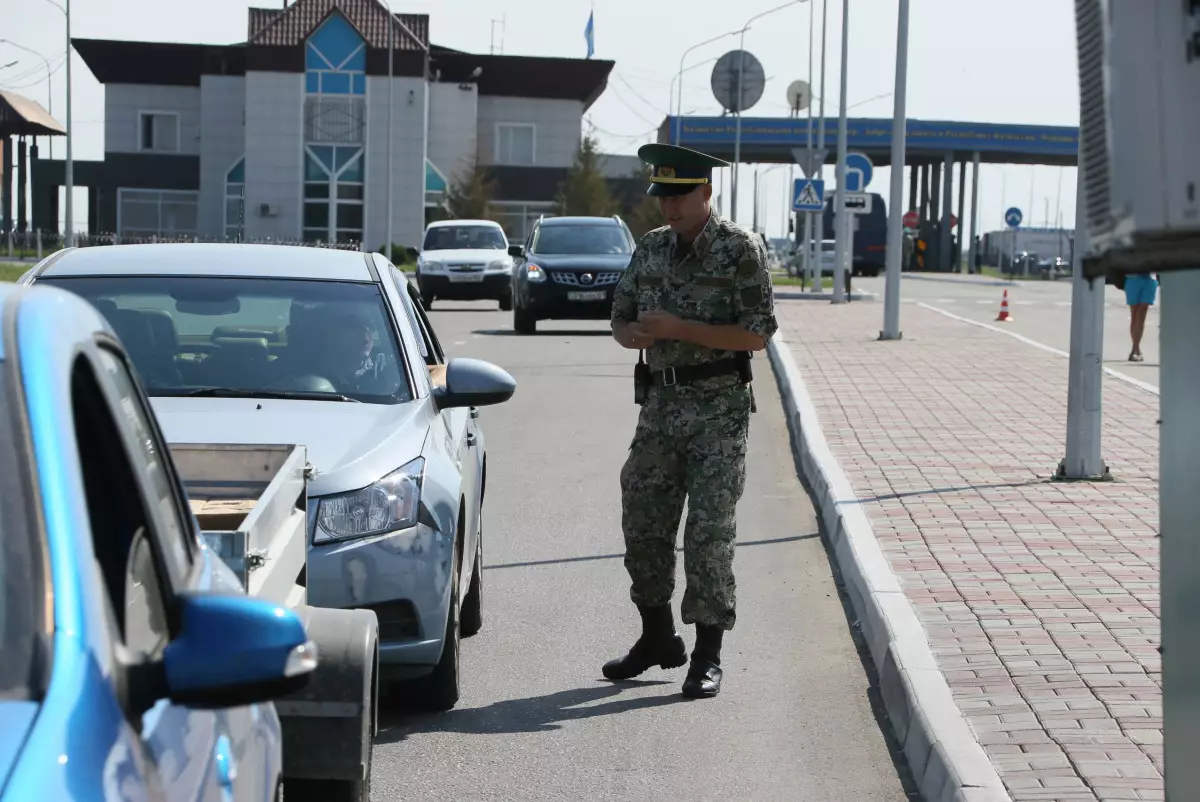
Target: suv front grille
{"points": [[599, 279]]}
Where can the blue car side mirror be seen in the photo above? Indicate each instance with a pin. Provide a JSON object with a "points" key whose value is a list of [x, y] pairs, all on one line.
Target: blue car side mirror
{"points": [[235, 650]]}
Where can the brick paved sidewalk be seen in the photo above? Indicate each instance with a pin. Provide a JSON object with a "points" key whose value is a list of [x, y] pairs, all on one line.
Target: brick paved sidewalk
{"points": [[1040, 599]]}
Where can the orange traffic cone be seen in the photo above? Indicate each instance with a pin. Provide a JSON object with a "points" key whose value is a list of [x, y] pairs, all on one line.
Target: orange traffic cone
{"points": [[1004, 316]]}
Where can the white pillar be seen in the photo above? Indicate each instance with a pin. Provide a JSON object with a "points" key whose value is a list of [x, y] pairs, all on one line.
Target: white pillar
{"points": [[1086, 364], [1179, 554], [974, 212], [945, 252]]}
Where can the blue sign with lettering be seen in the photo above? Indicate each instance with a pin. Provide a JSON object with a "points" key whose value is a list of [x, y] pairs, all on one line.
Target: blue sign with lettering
{"points": [[875, 135]]}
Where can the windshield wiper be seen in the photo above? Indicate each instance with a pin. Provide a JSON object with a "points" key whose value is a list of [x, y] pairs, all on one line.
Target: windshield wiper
{"points": [[225, 392]]}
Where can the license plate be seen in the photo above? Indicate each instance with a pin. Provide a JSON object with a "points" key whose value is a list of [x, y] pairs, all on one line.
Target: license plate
{"points": [[466, 278], [592, 295]]}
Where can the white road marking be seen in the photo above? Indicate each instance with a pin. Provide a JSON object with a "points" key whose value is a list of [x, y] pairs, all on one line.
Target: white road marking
{"points": [[1135, 382]]}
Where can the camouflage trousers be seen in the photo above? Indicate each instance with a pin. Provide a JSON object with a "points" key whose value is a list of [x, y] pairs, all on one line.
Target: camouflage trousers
{"points": [[676, 456]]}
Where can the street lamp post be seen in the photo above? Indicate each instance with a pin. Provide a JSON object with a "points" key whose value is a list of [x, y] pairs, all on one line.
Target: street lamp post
{"points": [[895, 232], [737, 139], [815, 259], [806, 255], [679, 76], [69, 239], [387, 236]]}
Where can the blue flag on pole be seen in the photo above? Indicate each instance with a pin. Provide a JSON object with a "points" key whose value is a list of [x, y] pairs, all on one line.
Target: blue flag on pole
{"points": [[589, 34]]}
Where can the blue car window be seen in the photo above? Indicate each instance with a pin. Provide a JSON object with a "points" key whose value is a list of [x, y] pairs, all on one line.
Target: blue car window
{"points": [[22, 575], [119, 518], [177, 545]]}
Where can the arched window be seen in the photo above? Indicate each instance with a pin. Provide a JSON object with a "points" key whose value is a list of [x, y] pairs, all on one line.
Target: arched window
{"points": [[335, 59]]}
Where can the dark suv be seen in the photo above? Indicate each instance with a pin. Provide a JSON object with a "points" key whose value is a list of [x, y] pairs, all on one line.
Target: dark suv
{"points": [[568, 270]]}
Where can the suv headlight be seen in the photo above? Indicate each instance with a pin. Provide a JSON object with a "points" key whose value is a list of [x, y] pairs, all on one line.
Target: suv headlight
{"points": [[431, 267], [391, 503], [534, 273], [500, 265]]}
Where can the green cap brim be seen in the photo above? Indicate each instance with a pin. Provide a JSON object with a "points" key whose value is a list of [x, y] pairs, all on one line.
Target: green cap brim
{"points": [[671, 190]]}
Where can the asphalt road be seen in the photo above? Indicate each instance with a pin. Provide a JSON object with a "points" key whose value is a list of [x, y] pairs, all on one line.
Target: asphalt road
{"points": [[536, 721], [1041, 311]]}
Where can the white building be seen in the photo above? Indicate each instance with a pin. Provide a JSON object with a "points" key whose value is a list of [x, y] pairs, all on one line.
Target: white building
{"points": [[284, 136]]}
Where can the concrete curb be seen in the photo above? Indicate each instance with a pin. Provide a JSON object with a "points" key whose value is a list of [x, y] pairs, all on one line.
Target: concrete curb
{"points": [[804, 295], [983, 282], [948, 764]]}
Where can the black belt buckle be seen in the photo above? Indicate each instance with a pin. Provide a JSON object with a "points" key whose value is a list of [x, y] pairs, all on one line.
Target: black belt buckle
{"points": [[668, 376]]}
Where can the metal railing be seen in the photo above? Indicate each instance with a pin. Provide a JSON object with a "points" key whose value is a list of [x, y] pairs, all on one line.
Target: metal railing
{"points": [[24, 245]]}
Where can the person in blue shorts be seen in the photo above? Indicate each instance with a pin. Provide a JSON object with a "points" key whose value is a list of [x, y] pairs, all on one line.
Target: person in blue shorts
{"points": [[1140, 290]]}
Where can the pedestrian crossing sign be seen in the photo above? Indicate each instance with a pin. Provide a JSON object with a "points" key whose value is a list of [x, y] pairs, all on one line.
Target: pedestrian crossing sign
{"points": [[808, 195]]}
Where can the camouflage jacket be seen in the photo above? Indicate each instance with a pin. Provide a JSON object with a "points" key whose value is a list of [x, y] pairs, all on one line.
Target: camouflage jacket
{"points": [[722, 279]]}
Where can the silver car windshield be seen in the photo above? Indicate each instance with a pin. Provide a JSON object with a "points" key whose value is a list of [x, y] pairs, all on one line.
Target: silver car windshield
{"points": [[230, 336]]}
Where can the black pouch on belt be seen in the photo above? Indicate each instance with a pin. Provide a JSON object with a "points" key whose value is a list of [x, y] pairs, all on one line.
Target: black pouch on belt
{"points": [[745, 371], [641, 380]]}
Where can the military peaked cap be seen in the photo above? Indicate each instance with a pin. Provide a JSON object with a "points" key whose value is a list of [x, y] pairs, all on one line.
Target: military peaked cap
{"points": [[676, 170]]}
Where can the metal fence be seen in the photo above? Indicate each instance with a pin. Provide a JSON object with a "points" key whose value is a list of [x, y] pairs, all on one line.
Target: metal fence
{"points": [[21, 245]]}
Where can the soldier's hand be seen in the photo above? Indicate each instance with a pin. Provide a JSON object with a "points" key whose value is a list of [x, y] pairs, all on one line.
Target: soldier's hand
{"points": [[638, 336], [661, 325]]}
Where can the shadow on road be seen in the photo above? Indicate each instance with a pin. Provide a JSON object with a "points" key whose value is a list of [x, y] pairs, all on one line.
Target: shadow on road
{"points": [[533, 714], [678, 550], [546, 333]]}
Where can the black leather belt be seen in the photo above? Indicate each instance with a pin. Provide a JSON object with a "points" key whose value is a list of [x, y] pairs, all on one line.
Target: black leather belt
{"points": [[686, 374]]}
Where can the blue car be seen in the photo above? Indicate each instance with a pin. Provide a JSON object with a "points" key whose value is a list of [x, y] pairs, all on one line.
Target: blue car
{"points": [[134, 666]]}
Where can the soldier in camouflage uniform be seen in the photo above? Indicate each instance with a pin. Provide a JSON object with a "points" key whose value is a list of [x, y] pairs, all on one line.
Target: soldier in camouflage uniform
{"points": [[697, 299]]}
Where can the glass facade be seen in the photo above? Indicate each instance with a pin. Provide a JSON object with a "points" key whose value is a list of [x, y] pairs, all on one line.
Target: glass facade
{"points": [[335, 62]]}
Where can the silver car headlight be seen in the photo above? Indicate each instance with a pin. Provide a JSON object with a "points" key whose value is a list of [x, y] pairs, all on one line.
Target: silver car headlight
{"points": [[432, 267], [391, 503], [500, 265]]}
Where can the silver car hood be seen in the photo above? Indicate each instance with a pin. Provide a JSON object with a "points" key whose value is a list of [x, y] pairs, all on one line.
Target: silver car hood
{"points": [[350, 445]]}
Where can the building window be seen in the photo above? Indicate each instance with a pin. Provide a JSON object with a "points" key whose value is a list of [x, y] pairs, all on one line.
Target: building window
{"points": [[235, 201], [333, 193], [143, 214], [158, 131], [515, 143], [518, 217], [335, 60]]}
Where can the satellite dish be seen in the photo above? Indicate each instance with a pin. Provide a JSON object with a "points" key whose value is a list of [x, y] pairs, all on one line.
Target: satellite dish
{"points": [[799, 95], [725, 79]]}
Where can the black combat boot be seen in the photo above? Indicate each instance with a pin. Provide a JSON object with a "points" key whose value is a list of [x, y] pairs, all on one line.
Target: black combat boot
{"points": [[704, 674], [660, 645]]}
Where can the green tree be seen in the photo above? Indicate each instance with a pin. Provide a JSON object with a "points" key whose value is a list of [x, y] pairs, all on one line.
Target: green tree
{"points": [[585, 192], [470, 192], [645, 216]]}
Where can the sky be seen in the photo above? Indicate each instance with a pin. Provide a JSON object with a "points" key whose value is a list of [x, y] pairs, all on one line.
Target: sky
{"points": [[968, 60]]}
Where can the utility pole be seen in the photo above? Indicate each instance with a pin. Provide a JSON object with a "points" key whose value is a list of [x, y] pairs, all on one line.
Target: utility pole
{"points": [[841, 217], [1086, 362], [895, 223], [69, 234]]}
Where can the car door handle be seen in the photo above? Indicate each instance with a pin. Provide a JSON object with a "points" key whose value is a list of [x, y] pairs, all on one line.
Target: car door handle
{"points": [[226, 766], [474, 412], [470, 439]]}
